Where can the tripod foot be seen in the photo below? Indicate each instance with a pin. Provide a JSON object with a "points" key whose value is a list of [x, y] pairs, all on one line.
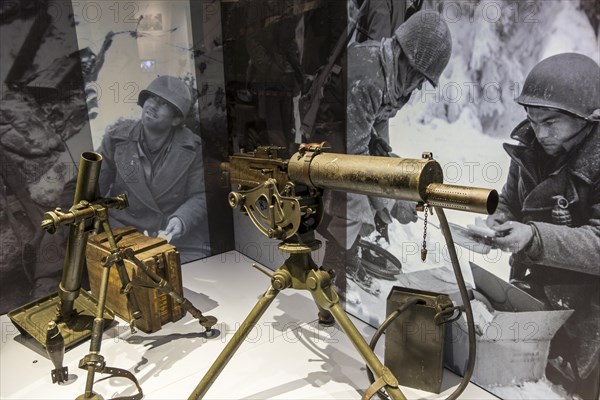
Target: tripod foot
{"points": [[94, 396], [208, 322], [326, 318]]}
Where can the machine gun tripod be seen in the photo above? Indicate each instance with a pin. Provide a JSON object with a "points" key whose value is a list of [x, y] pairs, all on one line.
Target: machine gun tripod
{"points": [[283, 200]]}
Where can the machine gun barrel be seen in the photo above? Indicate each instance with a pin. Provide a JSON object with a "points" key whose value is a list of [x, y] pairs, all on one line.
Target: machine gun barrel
{"points": [[462, 198], [419, 180]]}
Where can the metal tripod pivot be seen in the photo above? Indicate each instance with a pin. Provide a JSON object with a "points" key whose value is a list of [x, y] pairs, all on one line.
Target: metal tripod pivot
{"points": [[300, 272]]}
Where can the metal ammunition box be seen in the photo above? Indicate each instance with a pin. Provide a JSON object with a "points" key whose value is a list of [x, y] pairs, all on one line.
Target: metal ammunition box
{"points": [[157, 308], [414, 342]]}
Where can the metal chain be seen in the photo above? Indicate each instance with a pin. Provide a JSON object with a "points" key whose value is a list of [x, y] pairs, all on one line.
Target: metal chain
{"points": [[424, 249]]}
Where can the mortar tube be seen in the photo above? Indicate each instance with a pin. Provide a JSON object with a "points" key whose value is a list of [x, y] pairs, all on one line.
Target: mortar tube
{"points": [[86, 189]]}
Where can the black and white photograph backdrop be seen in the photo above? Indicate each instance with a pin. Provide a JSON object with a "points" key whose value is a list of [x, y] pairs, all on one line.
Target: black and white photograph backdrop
{"points": [[43, 130], [143, 97], [453, 81], [212, 106], [504, 93], [515, 109], [281, 59]]}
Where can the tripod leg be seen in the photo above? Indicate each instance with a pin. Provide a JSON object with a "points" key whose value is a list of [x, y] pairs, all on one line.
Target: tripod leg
{"points": [[328, 299], [125, 281], [206, 321], [325, 317], [94, 361], [211, 375], [128, 290], [367, 354]]}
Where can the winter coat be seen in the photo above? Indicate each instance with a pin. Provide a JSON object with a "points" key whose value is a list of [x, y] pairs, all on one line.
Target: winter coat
{"points": [[374, 95], [177, 189], [561, 266]]}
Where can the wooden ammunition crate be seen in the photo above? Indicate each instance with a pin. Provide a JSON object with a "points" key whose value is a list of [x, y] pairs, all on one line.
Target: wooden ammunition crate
{"points": [[157, 308]]}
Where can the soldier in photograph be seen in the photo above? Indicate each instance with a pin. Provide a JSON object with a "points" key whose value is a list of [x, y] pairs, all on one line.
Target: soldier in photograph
{"points": [[381, 78], [379, 21], [549, 212], [157, 162]]}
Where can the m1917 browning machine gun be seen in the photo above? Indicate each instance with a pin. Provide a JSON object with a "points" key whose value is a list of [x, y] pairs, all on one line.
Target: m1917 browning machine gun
{"points": [[283, 199]]}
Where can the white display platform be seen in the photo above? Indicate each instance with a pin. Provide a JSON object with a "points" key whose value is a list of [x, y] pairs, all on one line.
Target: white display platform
{"points": [[287, 356]]}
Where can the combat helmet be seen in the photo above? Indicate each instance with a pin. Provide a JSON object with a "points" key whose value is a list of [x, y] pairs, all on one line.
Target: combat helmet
{"points": [[427, 43], [172, 90], [569, 82]]}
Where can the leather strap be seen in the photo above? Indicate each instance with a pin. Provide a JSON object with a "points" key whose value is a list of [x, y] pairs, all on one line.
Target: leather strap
{"points": [[122, 373]]}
